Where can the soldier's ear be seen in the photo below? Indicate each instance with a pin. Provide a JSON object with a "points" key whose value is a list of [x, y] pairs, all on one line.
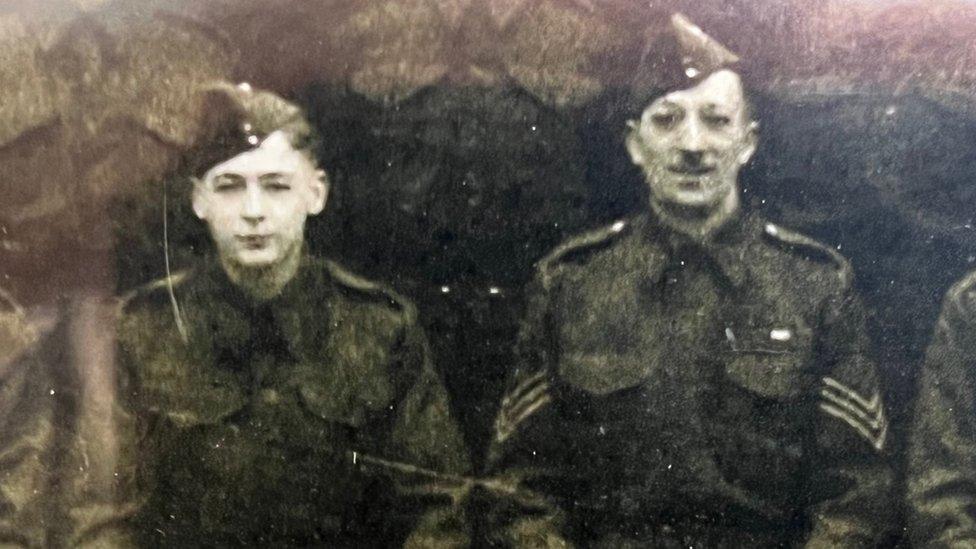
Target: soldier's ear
{"points": [[319, 192], [201, 200], [749, 143], [634, 144]]}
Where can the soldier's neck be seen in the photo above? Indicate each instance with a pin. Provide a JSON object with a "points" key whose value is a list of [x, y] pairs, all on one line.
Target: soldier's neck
{"points": [[697, 223], [264, 283]]}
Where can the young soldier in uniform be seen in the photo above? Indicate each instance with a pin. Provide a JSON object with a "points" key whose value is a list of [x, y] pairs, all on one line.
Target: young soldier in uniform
{"points": [[942, 448], [260, 383], [693, 376]]}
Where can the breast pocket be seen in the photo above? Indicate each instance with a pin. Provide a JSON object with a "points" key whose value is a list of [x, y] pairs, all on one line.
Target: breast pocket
{"points": [[769, 359], [331, 407]]}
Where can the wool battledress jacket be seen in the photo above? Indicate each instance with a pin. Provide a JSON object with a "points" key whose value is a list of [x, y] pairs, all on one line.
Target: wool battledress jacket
{"points": [[942, 449], [257, 423], [672, 393]]}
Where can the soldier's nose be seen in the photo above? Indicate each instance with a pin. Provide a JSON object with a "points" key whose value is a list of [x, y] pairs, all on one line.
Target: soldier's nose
{"points": [[253, 208], [691, 137], [253, 218]]}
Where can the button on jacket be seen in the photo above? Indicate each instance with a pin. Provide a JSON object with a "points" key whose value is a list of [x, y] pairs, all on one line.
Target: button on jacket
{"points": [[672, 392]]}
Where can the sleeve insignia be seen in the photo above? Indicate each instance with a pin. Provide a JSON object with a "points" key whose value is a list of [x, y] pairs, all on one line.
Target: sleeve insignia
{"points": [[865, 416], [519, 404]]}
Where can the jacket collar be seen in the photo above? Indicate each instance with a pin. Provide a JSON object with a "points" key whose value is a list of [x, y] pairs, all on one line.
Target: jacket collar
{"points": [[728, 252], [297, 315]]}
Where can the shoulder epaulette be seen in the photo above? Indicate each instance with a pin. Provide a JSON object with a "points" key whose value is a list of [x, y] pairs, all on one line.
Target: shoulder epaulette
{"points": [[172, 281], [353, 281], [795, 240], [962, 292], [547, 266], [169, 283], [7, 301]]}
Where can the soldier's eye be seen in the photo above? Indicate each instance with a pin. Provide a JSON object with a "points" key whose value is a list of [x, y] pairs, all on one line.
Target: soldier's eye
{"points": [[225, 184], [717, 120], [664, 120], [275, 182]]}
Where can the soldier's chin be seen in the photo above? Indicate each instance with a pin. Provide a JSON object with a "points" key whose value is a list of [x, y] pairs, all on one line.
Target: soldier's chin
{"points": [[256, 259], [698, 195]]}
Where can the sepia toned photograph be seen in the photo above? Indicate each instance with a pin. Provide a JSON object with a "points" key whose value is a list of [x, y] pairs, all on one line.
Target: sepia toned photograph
{"points": [[488, 273]]}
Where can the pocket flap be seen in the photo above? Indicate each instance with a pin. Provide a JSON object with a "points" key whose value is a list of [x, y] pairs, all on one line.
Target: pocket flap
{"points": [[331, 406], [201, 405], [602, 373], [768, 359]]}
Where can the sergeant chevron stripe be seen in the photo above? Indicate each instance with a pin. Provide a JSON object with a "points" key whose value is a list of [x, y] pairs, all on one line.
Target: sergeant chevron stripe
{"points": [[525, 399], [865, 416]]}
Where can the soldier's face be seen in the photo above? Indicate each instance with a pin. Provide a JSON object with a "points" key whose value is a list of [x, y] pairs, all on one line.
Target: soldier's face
{"points": [[691, 143], [256, 203]]}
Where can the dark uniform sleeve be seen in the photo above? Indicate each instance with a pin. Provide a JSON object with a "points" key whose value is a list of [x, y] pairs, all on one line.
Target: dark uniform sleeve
{"points": [[851, 478], [103, 516], [942, 451], [520, 516], [429, 443], [56, 453], [27, 415]]}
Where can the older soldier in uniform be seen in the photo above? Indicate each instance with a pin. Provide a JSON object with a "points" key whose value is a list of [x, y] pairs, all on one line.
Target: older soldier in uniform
{"points": [[693, 376], [942, 449], [260, 383]]}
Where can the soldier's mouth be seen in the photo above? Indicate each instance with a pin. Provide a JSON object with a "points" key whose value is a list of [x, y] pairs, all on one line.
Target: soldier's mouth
{"points": [[691, 170], [254, 241]]}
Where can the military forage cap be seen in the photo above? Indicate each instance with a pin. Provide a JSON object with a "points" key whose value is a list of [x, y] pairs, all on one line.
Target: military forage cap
{"points": [[678, 56], [238, 118]]}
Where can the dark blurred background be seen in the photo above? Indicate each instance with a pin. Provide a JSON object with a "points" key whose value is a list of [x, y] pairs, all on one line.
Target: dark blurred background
{"points": [[464, 138]]}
